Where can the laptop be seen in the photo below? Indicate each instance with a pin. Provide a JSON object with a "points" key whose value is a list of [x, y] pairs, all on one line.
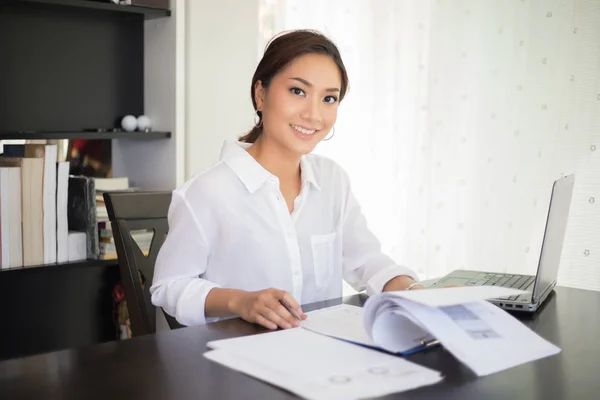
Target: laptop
{"points": [[542, 284]]}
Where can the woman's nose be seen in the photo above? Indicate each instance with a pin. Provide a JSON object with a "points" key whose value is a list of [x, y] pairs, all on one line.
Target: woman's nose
{"points": [[312, 112]]}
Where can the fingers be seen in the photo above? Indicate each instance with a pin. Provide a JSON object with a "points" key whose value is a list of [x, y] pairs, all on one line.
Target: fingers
{"points": [[269, 311], [273, 315], [286, 315], [265, 322], [293, 303]]}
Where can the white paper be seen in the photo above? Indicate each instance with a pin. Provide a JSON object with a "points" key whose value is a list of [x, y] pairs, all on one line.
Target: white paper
{"points": [[347, 322], [315, 366], [481, 335], [396, 330], [343, 321]]}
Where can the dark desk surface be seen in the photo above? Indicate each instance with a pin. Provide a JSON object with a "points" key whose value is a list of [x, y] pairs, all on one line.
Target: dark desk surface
{"points": [[170, 365]]}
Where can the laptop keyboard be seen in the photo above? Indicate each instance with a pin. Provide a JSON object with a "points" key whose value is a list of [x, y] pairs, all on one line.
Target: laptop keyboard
{"points": [[504, 280]]}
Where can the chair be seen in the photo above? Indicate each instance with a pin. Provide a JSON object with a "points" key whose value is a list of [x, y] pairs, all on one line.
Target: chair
{"points": [[131, 211]]}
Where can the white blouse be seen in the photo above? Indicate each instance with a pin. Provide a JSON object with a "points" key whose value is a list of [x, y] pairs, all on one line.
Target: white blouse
{"points": [[230, 227]]}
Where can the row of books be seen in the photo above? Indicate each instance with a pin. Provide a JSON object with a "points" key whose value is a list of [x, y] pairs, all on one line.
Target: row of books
{"points": [[33, 224], [46, 215], [107, 249]]}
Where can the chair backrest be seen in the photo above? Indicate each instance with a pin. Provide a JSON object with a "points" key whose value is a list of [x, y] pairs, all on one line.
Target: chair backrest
{"points": [[130, 212]]}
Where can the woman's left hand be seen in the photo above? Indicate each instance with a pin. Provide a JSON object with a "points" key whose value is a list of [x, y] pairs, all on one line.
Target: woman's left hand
{"points": [[401, 283]]}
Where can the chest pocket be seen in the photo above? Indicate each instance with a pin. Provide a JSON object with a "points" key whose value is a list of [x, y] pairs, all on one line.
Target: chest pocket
{"points": [[322, 251]]}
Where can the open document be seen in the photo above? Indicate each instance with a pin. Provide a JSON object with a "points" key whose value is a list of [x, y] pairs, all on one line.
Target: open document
{"points": [[484, 337], [315, 366]]}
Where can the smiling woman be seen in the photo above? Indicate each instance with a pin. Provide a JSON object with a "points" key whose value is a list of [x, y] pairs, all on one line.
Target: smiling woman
{"points": [[272, 226]]}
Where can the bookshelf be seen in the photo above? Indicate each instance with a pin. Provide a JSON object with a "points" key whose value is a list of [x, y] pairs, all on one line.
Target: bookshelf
{"points": [[72, 70], [97, 134], [55, 266], [147, 12]]}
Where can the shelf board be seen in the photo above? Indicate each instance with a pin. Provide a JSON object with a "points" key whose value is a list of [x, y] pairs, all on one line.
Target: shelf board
{"points": [[55, 135], [147, 12], [67, 265]]}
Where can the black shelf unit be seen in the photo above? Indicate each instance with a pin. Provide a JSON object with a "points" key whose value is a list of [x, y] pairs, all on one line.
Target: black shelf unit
{"points": [[57, 266], [146, 12], [55, 307], [68, 65], [106, 134]]}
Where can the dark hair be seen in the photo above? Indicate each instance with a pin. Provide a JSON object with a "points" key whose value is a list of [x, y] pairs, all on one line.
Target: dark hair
{"points": [[282, 50]]}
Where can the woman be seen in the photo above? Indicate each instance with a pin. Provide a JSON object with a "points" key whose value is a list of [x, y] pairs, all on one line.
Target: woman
{"points": [[270, 222]]}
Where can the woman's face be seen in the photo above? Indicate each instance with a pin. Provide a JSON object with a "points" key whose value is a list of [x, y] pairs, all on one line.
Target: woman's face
{"points": [[299, 107]]}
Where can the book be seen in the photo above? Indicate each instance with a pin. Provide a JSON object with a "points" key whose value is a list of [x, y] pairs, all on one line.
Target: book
{"points": [[32, 220], [82, 211], [77, 246], [111, 184], [4, 219], [16, 229], [47, 152], [62, 220], [14, 150]]}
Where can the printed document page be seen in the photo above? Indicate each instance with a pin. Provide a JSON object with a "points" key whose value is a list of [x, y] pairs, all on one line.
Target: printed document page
{"points": [[482, 336], [315, 366]]}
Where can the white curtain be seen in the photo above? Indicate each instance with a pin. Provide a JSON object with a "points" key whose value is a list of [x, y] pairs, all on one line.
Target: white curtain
{"points": [[460, 115]]}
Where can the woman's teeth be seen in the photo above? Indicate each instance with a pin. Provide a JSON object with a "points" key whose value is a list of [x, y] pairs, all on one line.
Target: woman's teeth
{"points": [[305, 131]]}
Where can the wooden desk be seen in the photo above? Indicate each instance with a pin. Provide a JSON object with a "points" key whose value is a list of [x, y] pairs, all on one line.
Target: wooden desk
{"points": [[170, 365]]}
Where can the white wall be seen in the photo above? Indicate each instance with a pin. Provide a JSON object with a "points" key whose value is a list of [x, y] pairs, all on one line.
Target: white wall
{"points": [[221, 56], [158, 164]]}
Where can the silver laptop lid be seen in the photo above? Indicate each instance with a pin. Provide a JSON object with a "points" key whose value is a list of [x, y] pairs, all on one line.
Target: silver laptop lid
{"points": [[554, 235]]}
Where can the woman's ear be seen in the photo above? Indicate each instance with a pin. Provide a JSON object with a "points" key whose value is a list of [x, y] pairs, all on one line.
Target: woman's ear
{"points": [[259, 95]]}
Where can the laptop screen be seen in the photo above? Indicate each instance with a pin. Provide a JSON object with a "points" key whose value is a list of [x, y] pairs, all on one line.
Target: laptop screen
{"points": [[556, 227]]}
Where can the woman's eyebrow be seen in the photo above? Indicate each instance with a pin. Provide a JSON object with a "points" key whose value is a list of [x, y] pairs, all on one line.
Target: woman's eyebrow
{"points": [[307, 83]]}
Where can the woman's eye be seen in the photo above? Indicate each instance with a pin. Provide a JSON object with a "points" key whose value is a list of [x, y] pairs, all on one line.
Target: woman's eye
{"points": [[297, 91], [330, 99]]}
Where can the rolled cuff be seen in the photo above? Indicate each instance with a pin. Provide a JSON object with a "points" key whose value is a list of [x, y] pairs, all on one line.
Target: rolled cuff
{"points": [[377, 282], [191, 302]]}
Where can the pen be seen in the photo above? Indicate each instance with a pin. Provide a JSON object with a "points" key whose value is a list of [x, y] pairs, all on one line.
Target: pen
{"points": [[290, 309], [428, 343]]}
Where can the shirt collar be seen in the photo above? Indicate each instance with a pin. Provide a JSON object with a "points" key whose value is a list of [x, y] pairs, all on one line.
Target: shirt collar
{"points": [[308, 173], [251, 173]]}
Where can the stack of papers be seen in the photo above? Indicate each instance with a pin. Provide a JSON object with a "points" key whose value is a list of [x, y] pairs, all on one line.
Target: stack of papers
{"points": [[315, 366], [312, 361]]}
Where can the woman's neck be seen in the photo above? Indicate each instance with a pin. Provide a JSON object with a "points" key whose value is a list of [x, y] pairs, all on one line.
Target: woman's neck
{"points": [[275, 159]]}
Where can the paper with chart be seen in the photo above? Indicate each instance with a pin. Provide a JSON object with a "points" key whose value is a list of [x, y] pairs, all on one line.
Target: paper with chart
{"points": [[315, 366], [481, 335]]}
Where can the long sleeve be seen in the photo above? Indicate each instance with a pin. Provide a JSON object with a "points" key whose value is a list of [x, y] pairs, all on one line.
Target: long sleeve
{"points": [[365, 265], [178, 286]]}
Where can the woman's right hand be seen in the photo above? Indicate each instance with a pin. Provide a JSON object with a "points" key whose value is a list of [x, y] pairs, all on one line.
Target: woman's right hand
{"points": [[264, 308]]}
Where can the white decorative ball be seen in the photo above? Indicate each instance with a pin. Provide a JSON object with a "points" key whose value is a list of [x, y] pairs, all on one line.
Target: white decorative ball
{"points": [[144, 123], [129, 123]]}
